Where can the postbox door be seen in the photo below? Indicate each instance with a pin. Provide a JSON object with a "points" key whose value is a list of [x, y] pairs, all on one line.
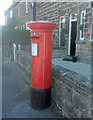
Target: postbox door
{"points": [[37, 61]]}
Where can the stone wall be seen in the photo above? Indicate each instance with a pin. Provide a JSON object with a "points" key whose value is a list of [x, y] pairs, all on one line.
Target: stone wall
{"points": [[71, 92], [52, 11], [20, 14], [59, 53], [84, 52], [23, 60]]}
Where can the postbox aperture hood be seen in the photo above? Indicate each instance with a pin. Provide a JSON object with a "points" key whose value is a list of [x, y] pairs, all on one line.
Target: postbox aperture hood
{"points": [[41, 25]]}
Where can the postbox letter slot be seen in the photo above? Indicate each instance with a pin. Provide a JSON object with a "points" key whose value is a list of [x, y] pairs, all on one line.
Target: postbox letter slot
{"points": [[35, 37]]}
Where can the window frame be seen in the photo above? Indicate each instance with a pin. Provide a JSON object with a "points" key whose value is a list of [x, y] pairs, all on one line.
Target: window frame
{"points": [[11, 13], [26, 6], [61, 22], [81, 21], [27, 28], [18, 11], [6, 19]]}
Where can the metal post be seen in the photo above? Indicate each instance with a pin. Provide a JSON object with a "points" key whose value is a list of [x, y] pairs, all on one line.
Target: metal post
{"points": [[14, 50], [19, 47], [59, 31], [34, 10], [92, 26]]}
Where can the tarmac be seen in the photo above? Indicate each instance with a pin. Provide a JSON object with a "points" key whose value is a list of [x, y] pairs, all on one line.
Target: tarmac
{"points": [[16, 95]]}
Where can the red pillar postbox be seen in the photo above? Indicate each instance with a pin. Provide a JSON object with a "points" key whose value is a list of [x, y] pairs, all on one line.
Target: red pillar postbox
{"points": [[41, 55]]}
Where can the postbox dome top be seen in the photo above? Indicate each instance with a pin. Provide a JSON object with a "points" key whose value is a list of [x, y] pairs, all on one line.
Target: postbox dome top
{"points": [[40, 21], [41, 24]]}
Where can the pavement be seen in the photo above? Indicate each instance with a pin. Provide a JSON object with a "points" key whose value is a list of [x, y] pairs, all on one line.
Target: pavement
{"points": [[16, 95], [78, 67]]}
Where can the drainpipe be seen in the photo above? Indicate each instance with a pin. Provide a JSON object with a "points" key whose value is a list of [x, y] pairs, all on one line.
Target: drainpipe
{"points": [[14, 52], [34, 10]]}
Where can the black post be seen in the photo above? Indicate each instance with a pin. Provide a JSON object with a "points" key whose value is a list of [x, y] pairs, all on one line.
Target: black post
{"points": [[34, 10], [91, 3], [92, 21]]}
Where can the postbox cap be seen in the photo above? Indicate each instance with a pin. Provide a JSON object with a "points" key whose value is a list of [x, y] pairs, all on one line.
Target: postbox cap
{"points": [[41, 24]]}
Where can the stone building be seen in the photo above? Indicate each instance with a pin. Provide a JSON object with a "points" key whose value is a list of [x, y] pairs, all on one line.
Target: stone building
{"points": [[73, 32]]}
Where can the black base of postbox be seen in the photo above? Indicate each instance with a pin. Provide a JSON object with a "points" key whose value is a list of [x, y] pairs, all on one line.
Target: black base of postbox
{"points": [[40, 98]]}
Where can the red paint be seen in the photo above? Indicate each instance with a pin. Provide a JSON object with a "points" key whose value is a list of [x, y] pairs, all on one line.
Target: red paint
{"points": [[41, 62]]}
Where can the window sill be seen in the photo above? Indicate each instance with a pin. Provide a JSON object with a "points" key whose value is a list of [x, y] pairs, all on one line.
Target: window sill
{"points": [[26, 12], [90, 41], [11, 17]]}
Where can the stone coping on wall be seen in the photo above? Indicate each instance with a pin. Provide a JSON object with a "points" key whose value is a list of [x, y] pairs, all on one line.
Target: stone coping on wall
{"points": [[80, 42], [78, 82], [90, 42], [71, 93], [84, 42]]}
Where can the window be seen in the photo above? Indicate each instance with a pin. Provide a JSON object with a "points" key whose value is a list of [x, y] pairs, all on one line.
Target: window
{"points": [[18, 11], [82, 22], [21, 27], [6, 19], [26, 6], [74, 17], [62, 22], [61, 25], [27, 28], [11, 13]]}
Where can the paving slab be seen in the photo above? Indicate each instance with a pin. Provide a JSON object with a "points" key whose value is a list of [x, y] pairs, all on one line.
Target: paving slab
{"points": [[78, 67]]}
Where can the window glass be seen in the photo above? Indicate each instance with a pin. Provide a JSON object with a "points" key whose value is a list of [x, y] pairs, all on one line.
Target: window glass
{"points": [[74, 16], [26, 6], [6, 18], [18, 11], [27, 28], [11, 13], [82, 22], [62, 21]]}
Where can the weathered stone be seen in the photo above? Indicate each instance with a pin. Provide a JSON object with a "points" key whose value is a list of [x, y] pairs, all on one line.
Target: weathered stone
{"points": [[74, 95], [70, 91]]}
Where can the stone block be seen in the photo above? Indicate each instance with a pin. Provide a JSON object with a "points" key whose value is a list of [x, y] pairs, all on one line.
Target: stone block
{"points": [[71, 93]]}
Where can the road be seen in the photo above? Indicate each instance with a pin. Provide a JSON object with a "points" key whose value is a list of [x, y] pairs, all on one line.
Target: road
{"points": [[16, 95]]}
